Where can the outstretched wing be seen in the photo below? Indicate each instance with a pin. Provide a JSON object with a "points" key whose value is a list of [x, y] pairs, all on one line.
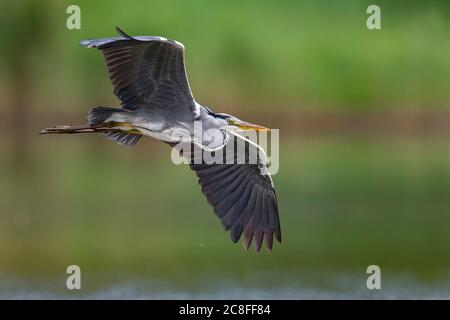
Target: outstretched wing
{"points": [[147, 72], [241, 193]]}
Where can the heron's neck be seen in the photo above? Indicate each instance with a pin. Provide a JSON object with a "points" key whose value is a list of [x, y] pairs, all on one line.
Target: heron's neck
{"points": [[208, 120], [211, 135]]}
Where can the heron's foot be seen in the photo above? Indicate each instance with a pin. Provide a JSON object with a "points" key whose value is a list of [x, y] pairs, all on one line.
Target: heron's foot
{"points": [[54, 129], [68, 129]]}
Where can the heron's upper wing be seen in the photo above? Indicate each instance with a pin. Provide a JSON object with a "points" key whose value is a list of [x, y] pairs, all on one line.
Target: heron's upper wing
{"points": [[147, 72], [242, 193]]}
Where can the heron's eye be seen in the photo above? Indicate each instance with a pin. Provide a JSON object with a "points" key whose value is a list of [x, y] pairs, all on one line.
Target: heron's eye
{"points": [[229, 121]]}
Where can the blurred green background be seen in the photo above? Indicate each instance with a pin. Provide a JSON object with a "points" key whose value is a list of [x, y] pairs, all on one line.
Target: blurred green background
{"points": [[364, 125]]}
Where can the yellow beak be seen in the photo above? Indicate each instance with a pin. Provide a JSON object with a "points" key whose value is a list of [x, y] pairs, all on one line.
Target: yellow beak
{"points": [[250, 126]]}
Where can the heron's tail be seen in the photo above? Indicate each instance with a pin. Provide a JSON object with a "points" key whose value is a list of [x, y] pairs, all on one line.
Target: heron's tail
{"points": [[100, 115], [103, 120]]}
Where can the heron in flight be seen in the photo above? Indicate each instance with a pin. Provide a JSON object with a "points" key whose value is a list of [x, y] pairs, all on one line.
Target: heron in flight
{"points": [[149, 78]]}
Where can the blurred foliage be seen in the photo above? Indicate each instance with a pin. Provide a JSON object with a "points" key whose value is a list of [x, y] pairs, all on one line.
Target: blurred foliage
{"points": [[344, 203], [346, 199], [292, 55]]}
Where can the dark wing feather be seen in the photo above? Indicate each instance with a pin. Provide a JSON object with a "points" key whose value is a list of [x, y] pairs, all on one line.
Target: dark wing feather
{"points": [[147, 72], [242, 195]]}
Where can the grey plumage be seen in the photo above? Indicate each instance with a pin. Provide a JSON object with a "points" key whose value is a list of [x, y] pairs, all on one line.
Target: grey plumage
{"points": [[242, 195], [147, 72], [149, 77]]}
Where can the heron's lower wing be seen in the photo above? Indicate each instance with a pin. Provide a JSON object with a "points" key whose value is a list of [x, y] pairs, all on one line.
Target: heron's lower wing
{"points": [[241, 193], [122, 137], [148, 72]]}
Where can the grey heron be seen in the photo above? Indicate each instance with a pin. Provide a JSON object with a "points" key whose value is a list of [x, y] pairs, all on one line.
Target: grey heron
{"points": [[149, 78]]}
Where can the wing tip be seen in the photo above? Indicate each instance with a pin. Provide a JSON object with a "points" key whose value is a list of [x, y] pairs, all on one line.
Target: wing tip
{"points": [[259, 237], [235, 234], [248, 237], [123, 33], [96, 43], [277, 234], [87, 43]]}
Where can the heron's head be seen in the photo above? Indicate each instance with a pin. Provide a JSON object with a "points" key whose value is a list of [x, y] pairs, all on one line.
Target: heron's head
{"points": [[232, 123]]}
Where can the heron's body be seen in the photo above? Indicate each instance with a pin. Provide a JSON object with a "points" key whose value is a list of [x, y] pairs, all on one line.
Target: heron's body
{"points": [[150, 125], [149, 77]]}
